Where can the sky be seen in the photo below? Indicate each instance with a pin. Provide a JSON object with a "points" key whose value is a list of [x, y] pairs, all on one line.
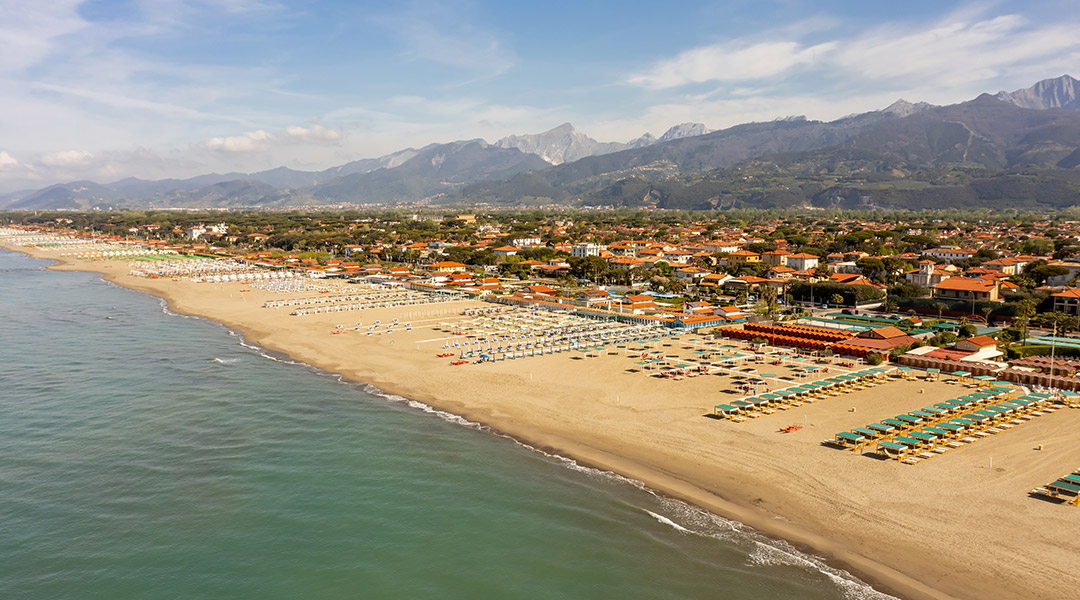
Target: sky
{"points": [[108, 89]]}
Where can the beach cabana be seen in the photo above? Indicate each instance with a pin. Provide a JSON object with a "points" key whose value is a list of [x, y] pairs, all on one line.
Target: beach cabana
{"points": [[882, 428], [963, 377], [848, 439], [941, 432], [1071, 478], [923, 436], [975, 418], [892, 450], [1063, 487], [786, 396], [966, 423], [909, 419], [748, 408], [908, 441], [900, 425], [954, 429], [728, 411], [867, 432]]}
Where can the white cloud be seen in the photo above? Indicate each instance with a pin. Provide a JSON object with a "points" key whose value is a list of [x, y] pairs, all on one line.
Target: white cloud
{"points": [[15, 172], [440, 33], [950, 59], [67, 158], [250, 141], [108, 172], [962, 50], [734, 61], [121, 101], [956, 50], [511, 118], [7, 161], [259, 141], [29, 31], [243, 6], [316, 134]]}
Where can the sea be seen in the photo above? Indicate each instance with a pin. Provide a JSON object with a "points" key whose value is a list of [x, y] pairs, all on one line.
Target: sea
{"points": [[146, 454]]}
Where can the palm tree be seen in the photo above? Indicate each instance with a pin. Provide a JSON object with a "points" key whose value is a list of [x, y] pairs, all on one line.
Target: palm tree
{"points": [[986, 310], [1025, 309], [940, 306], [768, 298]]}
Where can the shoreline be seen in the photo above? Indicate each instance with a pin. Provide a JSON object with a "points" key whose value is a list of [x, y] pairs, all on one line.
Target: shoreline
{"points": [[720, 496], [657, 482]]}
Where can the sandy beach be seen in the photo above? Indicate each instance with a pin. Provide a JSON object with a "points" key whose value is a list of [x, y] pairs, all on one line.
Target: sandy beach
{"points": [[949, 527]]}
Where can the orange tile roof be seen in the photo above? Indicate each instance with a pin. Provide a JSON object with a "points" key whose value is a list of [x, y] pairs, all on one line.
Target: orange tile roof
{"points": [[965, 284]]}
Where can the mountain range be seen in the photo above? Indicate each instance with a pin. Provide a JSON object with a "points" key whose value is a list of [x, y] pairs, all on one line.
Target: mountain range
{"points": [[856, 160]]}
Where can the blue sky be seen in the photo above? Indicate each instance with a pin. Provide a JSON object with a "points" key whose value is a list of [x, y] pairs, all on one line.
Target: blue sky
{"points": [[105, 89]]}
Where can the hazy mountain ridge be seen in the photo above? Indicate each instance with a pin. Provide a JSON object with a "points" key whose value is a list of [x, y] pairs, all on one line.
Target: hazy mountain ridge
{"points": [[1060, 92], [683, 130], [989, 132], [686, 155], [559, 145], [433, 171], [565, 144], [981, 153]]}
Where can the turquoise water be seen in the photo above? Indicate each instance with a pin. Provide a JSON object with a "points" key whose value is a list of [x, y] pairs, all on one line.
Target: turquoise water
{"points": [[148, 455]]}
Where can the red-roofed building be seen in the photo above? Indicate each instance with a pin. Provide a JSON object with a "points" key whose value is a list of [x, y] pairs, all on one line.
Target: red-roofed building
{"points": [[1067, 301], [975, 344], [540, 290], [881, 338], [638, 301], [775, 257], [964, 288], [1008, 265], [448, 266], [625, 262], [743, 256], [802, 261], [944, 354]]}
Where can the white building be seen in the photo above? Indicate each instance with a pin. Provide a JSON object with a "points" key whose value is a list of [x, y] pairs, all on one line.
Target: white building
{"points": [[802, 261], [929, 273], [1073, 269], [948, 254], [530, 242], [583, 250]]}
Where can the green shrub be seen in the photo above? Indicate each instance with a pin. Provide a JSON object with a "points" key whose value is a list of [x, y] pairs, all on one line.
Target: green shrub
{"points": [[1033, 350]]}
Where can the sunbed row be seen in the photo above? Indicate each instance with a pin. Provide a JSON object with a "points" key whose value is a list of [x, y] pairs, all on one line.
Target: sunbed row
{"points": [[935, 429], [767, 403]]}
